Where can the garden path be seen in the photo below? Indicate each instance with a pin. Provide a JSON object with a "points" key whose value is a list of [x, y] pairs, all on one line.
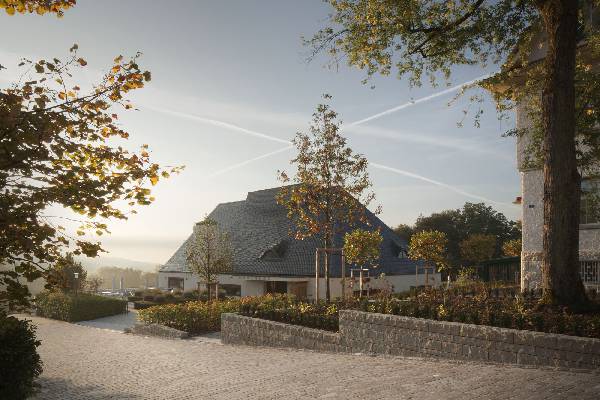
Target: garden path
{"points": [[85, 363]]}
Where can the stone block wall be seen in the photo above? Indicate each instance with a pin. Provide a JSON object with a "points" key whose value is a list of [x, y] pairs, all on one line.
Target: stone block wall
{"points": [[237, 329], [383, 334], [406, 336]]}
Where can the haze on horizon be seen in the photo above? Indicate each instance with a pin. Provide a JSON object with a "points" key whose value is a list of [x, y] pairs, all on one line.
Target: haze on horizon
{"points": [[230, 87]]}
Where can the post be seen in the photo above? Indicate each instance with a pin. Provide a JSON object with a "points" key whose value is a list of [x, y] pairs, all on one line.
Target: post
{"points": [[360, 285], [343, 276], [316, 276]]}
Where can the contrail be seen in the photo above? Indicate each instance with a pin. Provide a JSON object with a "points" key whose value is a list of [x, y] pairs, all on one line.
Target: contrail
{"points": [[414, 102], [289, 143], [218, 123], [241, 164], [437, 183]]}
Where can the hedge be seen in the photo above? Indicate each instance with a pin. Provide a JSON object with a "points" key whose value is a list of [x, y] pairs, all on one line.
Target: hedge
{"points": [[200, 316], [20, 363], [83, 307]]}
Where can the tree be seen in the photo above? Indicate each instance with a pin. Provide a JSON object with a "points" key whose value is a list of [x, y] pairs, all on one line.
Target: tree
{"points": [[61, 276], [38, 6], [429, 37], [512, 248], [430, 247], [332, 185], [404, 232], [473, 218], [362, 247], [478, 247], [209, 252], [63, 147], [94, 283]]}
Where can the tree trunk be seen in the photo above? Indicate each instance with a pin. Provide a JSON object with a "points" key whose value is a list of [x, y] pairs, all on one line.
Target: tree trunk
{"points": [[560, 258], [327, 259]]}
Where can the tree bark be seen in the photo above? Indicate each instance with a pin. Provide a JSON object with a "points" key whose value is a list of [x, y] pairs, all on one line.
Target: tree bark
{"points": [[560, 258]]}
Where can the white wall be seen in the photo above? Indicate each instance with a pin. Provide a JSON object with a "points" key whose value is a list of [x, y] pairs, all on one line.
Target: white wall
{"points": [[255, 286]]}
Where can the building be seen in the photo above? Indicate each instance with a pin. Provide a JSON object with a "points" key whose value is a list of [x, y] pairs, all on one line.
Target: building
{"points": [[267, 259]]}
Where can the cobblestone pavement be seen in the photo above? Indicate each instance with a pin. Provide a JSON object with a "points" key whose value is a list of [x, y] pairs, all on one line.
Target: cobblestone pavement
{"points": [[82, 362]]}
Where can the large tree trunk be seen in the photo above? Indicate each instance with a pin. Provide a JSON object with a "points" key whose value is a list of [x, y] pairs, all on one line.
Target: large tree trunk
{"points": [[560, 259]]}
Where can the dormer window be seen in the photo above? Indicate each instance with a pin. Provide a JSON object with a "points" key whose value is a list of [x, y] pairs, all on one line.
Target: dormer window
{"points": [[275, 252], [399, 251]]}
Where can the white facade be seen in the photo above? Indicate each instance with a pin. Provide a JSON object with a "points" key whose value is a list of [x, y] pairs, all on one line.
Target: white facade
{"points": [[302, 286], [532, 188]]}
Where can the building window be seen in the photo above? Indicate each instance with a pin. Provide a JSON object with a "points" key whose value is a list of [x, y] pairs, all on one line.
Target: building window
{"points": [[276, 287], [590, 201], [175, 283], [231, 290]]}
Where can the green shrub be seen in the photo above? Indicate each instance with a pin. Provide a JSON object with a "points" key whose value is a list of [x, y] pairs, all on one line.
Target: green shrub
{"points": [[20, 363], [83, 307], [142, 304], [193, 316]]}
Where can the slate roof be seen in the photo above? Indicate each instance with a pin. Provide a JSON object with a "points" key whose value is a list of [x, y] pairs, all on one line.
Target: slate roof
{"points": [[259, 224]]}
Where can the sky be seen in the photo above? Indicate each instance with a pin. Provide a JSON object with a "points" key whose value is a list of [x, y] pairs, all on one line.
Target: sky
{"points": [[230, 87]]}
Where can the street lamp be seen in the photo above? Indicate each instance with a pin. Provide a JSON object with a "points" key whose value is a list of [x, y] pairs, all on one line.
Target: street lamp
{"points": [[76, 274]]}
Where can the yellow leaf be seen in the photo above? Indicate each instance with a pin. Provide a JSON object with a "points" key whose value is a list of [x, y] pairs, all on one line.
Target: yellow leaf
{"points": [[154, 179]]}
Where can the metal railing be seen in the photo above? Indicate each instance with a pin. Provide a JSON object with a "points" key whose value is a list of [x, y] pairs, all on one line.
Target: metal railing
{"points": [[590, 274]]}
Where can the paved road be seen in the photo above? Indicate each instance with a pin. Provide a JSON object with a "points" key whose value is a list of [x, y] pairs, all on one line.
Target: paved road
{"points": [[117, 322], [82, 362]]}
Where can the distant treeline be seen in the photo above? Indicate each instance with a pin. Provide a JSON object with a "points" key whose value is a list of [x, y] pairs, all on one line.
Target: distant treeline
{"points": [[132, 278]]}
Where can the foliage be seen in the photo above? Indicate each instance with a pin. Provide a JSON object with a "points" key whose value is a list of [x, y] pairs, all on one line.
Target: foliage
{"points": [[362, 247], [331, 186], [478, 247], [481, 304], [459, 224], [429, 246], [38, 6], [404, 231], [422, 37], [93, 284], [193, 317], [132, 278], [512, 248], [19, 362], [62, 146], [61, 276], [83, 307], [209, 252], [288, 309]]}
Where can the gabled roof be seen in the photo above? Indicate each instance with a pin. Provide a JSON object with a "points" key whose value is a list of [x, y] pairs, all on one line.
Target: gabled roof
{"points": [[262, 243]]}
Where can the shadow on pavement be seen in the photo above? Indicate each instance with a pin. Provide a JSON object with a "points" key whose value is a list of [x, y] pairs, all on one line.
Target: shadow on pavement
{"points": [[55, 388]]}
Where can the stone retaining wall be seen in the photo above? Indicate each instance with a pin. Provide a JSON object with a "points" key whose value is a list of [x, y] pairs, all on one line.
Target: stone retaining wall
{"points": [[157, 330], [372, 333], [237, 329]]}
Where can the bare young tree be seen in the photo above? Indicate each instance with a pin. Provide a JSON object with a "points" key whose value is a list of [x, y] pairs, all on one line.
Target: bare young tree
{"points": [[209, 253]]}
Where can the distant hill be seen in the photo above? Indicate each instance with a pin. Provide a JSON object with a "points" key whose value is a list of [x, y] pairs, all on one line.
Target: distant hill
{"points": [[92, 264]]}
